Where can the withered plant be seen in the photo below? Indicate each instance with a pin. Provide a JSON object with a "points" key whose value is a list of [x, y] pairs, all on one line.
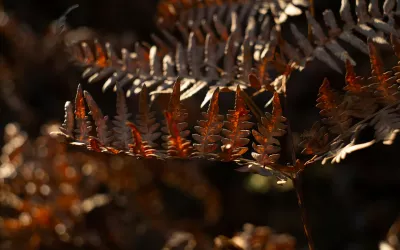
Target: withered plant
{"points": [[250, 48]]}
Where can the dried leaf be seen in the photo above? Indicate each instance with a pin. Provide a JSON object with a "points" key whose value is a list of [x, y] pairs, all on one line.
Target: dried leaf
{"points": [[146, 121], [271, 126], [83, 126], [139, 147], [100, 120], [333, 108], [236, 130], [209, 128], [175, 139], [122, 133]]}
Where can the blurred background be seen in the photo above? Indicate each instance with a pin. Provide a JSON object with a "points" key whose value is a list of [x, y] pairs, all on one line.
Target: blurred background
{"points": [[350, 205]]}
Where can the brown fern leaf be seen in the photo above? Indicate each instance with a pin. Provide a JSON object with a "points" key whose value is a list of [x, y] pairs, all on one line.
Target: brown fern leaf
{"points": [[100, 120], [271, 126], [209, 129], [124, 69], [236, 130], [359, 97], [225, 75], [372, 25], [363, 101], [101, 59], [97, 146], [83, 126], [122, 133], [385, 85], [140, 147], [146, 121], [175, 141], [209, 56], [354, 83], [68, 125], [333, 108], [260, 79], [193, 12], [94, 145]]}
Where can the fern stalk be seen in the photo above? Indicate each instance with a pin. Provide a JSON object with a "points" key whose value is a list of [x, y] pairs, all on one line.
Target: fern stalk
{"points": [[297, 183], [298, 187]]}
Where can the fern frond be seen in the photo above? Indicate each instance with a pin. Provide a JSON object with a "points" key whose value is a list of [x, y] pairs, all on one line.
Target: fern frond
{"points": [[103, 135], [82, 124], [234, 141], [236, 130], [271, 126], [372, 25], [124, 70], [122, 134], [68, 125], [146, 121], [209, 56], [333, 108], [171, 12], [209, 128], [359, 97], [175, 139], [385, 85], [97, 146], [140, 147], [377, 104], [354, 84]]}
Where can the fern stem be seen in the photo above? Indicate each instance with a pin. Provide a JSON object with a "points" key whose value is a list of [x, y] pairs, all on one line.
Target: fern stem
{"points": [[297, 183], [312, 12]]}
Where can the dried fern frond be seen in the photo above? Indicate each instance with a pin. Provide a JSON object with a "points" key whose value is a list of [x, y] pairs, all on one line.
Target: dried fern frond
{"points": [[140, 147], [236, 130], [333, 108], [211, 57], [240, 42], [193, 12], [122, 134], [376, 103], [384, 83], [271, 126], [233, 133], [209, 129], [146, 121], [360, 98], [83, 126], [372, 24], [175, 119], [99, 119]]}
